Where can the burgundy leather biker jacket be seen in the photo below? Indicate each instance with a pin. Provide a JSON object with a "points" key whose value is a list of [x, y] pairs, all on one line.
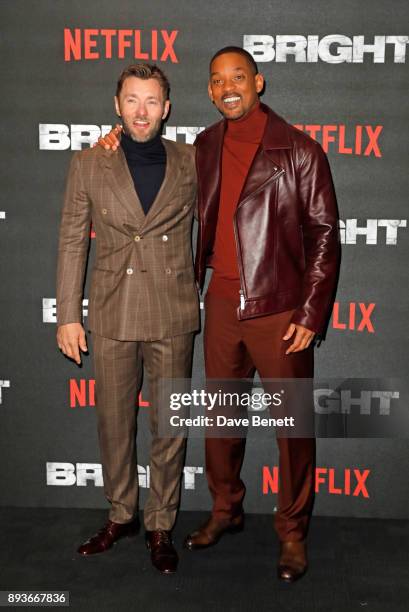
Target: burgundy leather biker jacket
{"points": [[285, 224]]}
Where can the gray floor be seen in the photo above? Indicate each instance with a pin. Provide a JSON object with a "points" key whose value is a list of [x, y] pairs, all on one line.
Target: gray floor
{"points": [[354, 565]]}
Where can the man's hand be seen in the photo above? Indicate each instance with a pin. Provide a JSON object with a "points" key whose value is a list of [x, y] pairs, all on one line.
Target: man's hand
{"points": [[111, 140], [70, 339], [302, 340]]}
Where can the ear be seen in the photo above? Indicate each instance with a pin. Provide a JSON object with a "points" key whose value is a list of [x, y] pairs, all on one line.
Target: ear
{"points": [[118, 110], [209, 91], [259, 80], [166, 109]]}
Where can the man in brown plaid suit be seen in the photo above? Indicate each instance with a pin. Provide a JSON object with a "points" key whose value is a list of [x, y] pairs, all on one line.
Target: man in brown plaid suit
{"points": [[143, 302]]}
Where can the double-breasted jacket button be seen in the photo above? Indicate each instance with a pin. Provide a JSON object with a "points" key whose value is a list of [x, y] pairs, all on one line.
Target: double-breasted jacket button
{"points": [[164, 238], [137, 238], [129, 270], [104, 211], [168, 271]]}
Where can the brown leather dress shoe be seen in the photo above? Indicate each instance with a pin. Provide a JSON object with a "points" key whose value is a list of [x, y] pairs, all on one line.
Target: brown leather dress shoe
{"points": [[211, 532], [293, 563], [163, 554], [107, 536]]}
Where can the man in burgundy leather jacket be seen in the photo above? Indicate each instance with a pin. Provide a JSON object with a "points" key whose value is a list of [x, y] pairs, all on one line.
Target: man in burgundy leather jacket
{"points": [[268, 228]]}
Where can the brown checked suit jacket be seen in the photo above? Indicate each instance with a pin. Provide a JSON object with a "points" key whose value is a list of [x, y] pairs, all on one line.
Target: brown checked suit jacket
{"points": [[142, 284]]}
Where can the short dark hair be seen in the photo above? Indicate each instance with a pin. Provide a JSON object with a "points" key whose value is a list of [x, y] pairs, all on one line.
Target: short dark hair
{"points": [[238, 50], [144, 71]]}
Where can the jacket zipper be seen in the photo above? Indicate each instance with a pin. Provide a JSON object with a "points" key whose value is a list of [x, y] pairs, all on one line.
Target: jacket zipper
{"points": [[242, 301], [261, 187]]}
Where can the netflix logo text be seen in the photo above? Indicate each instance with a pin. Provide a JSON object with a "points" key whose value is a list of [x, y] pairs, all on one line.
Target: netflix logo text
{"points": [[82, 394], [349, 482], [353, 316], [346, 140], [140, 45]]}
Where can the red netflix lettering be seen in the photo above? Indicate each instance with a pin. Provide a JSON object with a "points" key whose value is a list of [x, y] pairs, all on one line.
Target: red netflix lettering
{"points": [[358, 140], [169, 40], [366, 313], [365, 323], [93, 44], [123, 43], [319, 479], [352, 315], [108, 42], [90, 44], [326, 138], [270, 480], [82, 394], [325, 478], [78, 393], [331, 483], [72, 46], [373, 140], [342, 148], [334, 138], [138, 49], [336, 324], [154, 55], [347, 482], [360, 488]]}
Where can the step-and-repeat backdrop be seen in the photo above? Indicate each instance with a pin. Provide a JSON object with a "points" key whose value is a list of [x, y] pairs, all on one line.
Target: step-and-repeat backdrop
{"points": [[339, 72]]}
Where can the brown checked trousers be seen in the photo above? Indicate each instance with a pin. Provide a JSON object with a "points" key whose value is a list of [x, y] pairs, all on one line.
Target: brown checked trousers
{"points": [[118, 372]]}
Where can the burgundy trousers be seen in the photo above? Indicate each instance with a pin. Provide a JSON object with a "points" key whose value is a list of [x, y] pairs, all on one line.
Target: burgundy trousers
{"points": [[235, 349]]}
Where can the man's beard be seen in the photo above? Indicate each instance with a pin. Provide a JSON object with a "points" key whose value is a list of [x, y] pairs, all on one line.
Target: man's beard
{"points": [[153, 130]]}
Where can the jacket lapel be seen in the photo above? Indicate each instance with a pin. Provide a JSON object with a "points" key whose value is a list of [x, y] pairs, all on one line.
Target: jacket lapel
{"points": [[263, 170], [265, 167], [120, 180]]}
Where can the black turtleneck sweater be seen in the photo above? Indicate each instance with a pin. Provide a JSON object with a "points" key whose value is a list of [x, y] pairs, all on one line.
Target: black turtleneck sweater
{"points": [[147, 165]]}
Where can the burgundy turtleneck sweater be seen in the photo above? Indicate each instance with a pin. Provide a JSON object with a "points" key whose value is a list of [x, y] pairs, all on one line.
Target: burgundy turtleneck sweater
{"points": [[241, 141]]}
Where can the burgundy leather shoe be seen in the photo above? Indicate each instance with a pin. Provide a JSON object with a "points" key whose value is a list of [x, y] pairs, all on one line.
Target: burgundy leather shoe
{"points": [[163, 554], [107, 536], [211, 532], [293, 563]]}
